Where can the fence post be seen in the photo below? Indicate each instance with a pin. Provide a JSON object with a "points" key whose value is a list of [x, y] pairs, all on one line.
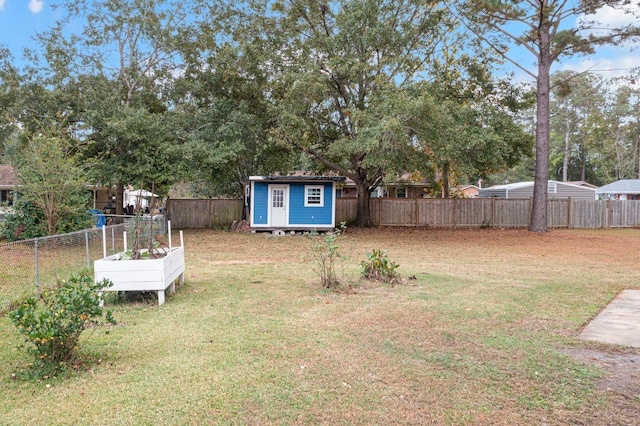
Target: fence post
{"points": [[211, 214], [104, 241], [569, 213], [37, 275], [86, 244], [493, 219], [455, 213]]}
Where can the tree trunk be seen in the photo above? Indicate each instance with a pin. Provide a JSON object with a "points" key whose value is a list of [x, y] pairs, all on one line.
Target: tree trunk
{"points": [[637, 154], [583, 170], [119, 198], [445, 181], [363, 215], [565, 160], [539, 206], [52, 221]]}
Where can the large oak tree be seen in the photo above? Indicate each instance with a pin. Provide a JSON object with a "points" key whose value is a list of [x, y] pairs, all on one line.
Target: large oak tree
{"points": [[347, 82], [343, 75]]}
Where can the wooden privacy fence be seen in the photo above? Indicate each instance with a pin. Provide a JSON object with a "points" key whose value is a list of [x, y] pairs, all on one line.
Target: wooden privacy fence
{"points": [[433, 212], [203, 213]]}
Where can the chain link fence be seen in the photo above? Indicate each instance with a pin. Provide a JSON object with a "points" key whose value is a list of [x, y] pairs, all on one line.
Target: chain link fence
{"points": [[29, 265]]}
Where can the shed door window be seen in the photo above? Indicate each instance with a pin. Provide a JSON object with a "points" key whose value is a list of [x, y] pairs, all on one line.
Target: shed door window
{"points": [[277, 198], [313, 196]]}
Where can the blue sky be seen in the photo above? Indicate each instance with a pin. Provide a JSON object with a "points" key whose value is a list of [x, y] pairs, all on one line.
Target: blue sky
{"points": [[20, 20]]}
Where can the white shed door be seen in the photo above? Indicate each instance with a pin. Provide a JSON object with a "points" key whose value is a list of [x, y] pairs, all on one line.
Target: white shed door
{"points": [[278, 205]]}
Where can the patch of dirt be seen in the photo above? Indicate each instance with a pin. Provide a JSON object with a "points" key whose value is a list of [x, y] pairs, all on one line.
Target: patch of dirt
{"points": [[622, 367]]}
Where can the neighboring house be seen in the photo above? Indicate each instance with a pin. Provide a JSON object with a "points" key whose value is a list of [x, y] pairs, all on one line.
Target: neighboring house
{"points": [[101, 196], [291, 203], [556, 190], [625, 189], [467, 191], [8, 182], [404, 187], [132, 197]]}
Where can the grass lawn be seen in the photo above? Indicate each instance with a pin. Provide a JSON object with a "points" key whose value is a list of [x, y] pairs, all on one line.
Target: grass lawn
{"points": [[480, 332]]}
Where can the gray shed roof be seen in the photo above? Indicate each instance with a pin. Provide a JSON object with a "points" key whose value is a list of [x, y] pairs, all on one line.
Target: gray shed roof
{"points": [[299, 178], [624, 186]]}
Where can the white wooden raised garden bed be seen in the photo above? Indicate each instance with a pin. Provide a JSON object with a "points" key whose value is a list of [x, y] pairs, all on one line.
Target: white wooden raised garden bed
{"points": [[142, 274]]}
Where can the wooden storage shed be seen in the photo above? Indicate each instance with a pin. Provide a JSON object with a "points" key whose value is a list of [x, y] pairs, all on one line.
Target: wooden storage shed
{"points": [[291, 203], [556, 191]]}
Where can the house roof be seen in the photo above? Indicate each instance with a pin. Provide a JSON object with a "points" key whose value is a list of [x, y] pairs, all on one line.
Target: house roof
{"points": [[518, 185], [299, 178], [582, 183], [405, 180], [511, 186], [9, 180], [7, 176], [624, 186]]}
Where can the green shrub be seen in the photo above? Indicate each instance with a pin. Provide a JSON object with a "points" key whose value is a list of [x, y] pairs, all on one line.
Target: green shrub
{"points": [[325, 253], [378, 267], [25, 222], [53, 323]]}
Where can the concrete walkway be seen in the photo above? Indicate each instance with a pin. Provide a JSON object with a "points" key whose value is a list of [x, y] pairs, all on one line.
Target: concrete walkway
{"points": [[618, 323]]}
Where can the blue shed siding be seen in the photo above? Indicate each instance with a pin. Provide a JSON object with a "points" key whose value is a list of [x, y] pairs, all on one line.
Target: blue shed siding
{"points": [[298, 216], [260, 203], [301, 215]]}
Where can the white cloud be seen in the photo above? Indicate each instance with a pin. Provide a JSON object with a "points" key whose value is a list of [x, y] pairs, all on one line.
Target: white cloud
{"points": [[611, 17], [35, 6], [2, 2], [607, 18], [609, 67], [610, 61]]}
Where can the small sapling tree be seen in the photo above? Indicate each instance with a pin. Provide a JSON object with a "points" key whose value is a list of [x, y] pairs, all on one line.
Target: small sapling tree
{"points": [[325, 254]]}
